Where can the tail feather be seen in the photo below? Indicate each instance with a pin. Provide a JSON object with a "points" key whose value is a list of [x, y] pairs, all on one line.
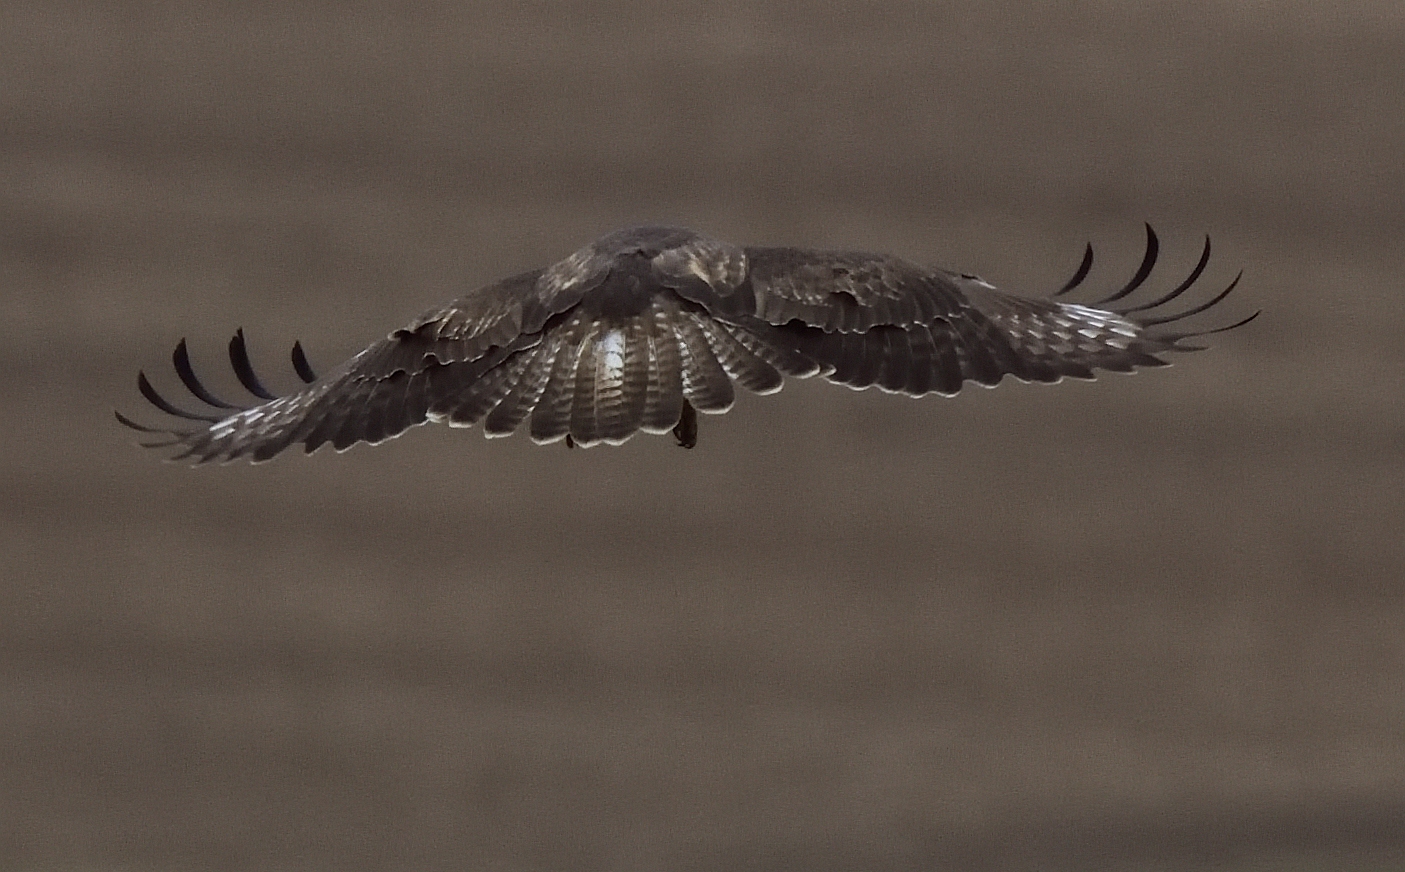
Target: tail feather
{"points": [[663, 390], [705, 382], [467, 407], [611, 382], [622, 382], [524, 396], [741, 363], [551, 419], [768, 343], [584, 429]]}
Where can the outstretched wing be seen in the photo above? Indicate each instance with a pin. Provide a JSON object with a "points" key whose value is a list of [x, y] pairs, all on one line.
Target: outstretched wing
{"points": [[636, 329], [433, 367], [870, 320]]}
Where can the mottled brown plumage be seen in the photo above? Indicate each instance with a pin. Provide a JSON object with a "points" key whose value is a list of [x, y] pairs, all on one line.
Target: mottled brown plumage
{"points": [[643, 327]]}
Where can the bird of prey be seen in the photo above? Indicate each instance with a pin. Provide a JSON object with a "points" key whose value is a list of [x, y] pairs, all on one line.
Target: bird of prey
{"points": [[645, 327]]}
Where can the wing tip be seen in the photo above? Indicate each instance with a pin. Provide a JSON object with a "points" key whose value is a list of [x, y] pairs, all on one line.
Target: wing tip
{"points": [[1145, 315]]}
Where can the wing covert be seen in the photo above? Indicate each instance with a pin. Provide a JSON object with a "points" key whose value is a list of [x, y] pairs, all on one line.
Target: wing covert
{"points": [[847, 292]]}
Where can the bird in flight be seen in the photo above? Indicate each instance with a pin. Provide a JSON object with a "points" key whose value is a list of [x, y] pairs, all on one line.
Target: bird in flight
{"points": [[645, 327]]}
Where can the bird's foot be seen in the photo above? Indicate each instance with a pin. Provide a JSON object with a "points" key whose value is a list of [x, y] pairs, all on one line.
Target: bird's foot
{"points": [[686, 431]]}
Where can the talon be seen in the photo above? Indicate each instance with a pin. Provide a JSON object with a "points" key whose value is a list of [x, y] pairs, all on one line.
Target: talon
{"points": [[686, 431]]}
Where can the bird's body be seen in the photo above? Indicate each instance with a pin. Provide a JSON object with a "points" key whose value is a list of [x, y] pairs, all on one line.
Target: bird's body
{"points": [[643, 326]]}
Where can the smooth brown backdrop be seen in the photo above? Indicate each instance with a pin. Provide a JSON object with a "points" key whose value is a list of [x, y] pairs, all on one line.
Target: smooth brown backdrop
{"points": [[1151, 623]]}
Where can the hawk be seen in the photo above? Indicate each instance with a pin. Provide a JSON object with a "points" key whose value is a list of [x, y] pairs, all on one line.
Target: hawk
{"points": [[645, 327]]}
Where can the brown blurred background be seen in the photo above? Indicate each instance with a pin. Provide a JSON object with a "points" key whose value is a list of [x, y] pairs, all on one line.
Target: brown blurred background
{"points": [[1151, 623]]}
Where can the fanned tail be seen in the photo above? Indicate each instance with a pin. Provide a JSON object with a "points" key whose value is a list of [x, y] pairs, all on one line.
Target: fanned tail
{"points": [[600, 380], [611, 381]]}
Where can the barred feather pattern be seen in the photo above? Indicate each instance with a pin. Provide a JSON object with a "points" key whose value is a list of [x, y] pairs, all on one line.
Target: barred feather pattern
{"points": [[343, 409], [1066, 339], [603, 380], [637, 329], [611, 378], [1031, 340]]}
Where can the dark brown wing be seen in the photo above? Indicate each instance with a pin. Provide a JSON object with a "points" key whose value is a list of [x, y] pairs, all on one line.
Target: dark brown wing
{"points": [[847, 292], [870, 320], [435, 366]]}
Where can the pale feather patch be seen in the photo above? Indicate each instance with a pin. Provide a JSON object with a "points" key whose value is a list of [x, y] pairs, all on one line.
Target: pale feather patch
{"points": [[609, 351], [1102, 326], [1101, 318]]}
